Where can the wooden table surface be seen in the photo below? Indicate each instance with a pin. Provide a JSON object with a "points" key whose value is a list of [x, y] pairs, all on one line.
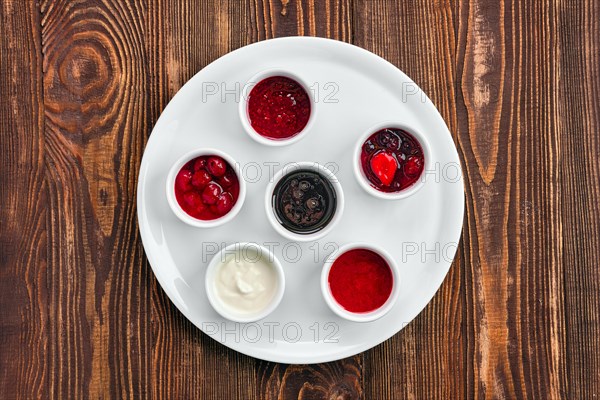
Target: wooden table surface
{"points": [[82, 84]]}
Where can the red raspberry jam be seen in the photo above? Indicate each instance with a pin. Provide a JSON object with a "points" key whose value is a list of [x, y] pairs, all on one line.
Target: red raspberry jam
{"points": [[278, 108], [207, 187], [360, 280], [392, 160]]}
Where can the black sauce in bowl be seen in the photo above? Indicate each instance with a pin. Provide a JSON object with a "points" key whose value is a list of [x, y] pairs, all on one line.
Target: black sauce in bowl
{"points": [[304, 201]]}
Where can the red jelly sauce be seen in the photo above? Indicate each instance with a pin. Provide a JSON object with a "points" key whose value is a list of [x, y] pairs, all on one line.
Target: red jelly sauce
{"points": [[360, 280], [207, 187], [392, 160], [278, 107]]}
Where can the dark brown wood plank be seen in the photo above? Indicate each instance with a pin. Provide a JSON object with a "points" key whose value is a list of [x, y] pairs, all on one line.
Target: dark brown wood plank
{"points": [[508, 137], [341, 379], [578, 109], [182, 37], [334, 380], [95, 78], [427, 359], [82, 83], [23, 201], [505, 114], [329, 18]]}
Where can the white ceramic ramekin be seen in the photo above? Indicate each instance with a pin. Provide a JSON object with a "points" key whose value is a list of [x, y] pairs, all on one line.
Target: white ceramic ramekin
{"points": [[341, 311], [172, 200], [243, 107], [362, 179], [238, 249], [323, 171]]}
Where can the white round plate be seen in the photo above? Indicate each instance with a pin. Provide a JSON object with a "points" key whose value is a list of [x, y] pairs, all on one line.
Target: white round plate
{"points": [[355, 89]]}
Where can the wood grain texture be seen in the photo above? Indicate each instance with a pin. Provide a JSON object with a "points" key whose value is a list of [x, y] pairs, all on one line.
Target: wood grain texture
{"points": [[341, 379], [82, 84], [95, 77], [428, 358], [509, 133], [181, 38], [23, 202], [578, 124]]}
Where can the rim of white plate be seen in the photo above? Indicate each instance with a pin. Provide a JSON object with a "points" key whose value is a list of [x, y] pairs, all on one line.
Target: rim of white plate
{"points": [[347, 351]]}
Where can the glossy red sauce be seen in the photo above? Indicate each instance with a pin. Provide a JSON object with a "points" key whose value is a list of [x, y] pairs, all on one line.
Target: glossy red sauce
{"points": [[360, 280], [207, 187], [392, 160], [278, 108]]}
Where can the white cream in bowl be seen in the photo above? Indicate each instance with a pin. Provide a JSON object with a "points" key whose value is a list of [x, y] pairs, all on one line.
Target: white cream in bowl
{"points": [[244, 282]]}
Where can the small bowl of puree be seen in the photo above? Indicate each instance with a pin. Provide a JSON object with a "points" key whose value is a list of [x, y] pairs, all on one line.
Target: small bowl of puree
{"points": [[244, 282], [277, 107], [360, 282], [304, 201]]}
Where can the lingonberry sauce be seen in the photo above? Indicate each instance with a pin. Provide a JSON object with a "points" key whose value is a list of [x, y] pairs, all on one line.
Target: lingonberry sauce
{"points": [[278, 108], [360, 280], [207, 187], [392, 160]]}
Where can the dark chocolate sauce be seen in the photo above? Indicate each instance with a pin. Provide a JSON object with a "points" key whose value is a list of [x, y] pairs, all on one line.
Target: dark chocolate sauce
{"points": [[304, 201]]}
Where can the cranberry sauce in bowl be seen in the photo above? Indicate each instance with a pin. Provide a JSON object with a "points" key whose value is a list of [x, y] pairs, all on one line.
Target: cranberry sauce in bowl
{"points": [[360, 282], [390, 161], [276, 108], [304, 201], [204, 189]]}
